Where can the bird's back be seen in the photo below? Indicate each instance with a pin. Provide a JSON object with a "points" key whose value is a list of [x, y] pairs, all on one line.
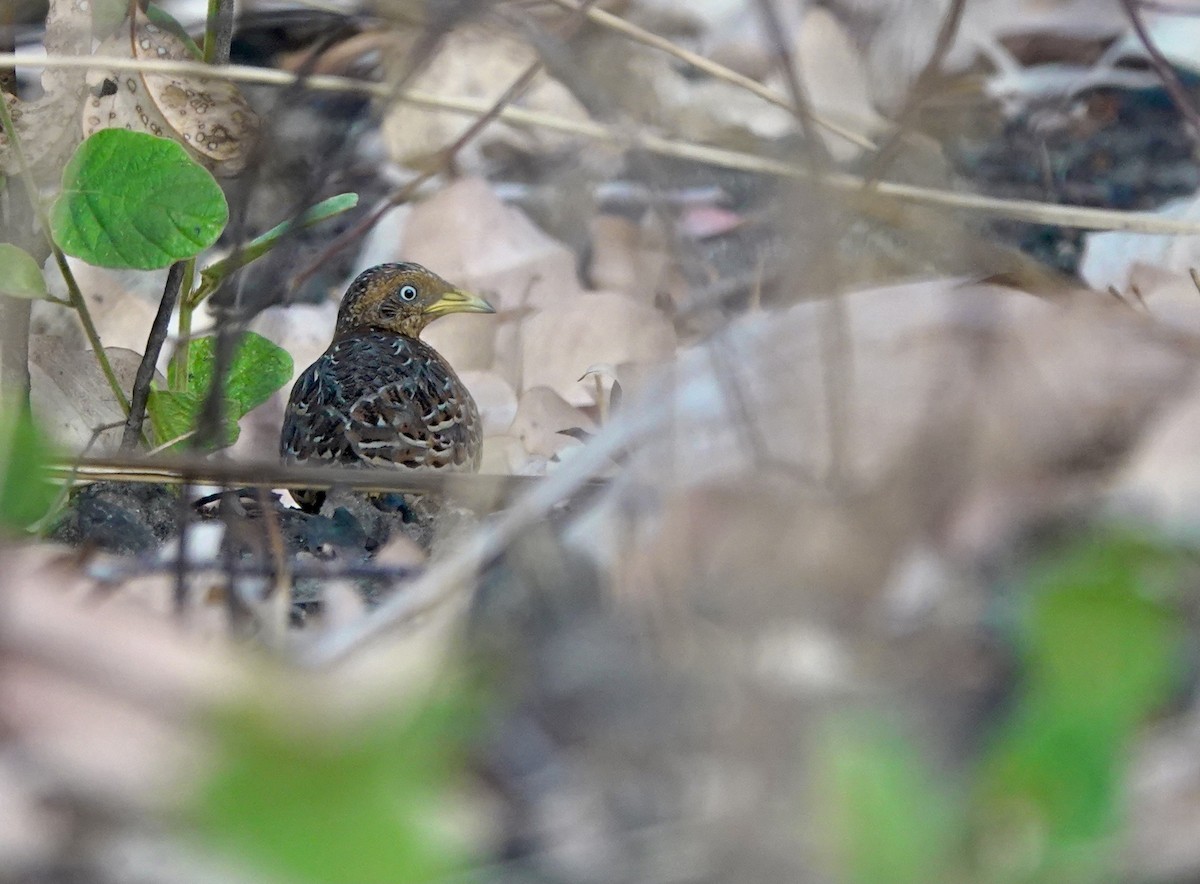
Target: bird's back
{"points": [[375, 398]]}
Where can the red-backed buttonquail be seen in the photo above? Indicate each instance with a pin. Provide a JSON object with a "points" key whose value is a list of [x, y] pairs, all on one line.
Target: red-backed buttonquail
{"points": [[379, 396]]}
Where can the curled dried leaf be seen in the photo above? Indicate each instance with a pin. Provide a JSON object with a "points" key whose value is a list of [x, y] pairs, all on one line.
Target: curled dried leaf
{"points": [[208, 116]]}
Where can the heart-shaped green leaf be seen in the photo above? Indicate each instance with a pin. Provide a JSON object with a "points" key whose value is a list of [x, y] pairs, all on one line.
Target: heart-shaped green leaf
{"points": [[132, 200], [20, 275], [259, 369]]}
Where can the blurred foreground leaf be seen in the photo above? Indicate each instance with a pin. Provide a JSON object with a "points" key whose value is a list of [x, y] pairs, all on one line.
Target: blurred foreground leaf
{"points": [[259, 368], [20, 275], [339, 802], [888, 817], [1100, 650], [25, 495]]}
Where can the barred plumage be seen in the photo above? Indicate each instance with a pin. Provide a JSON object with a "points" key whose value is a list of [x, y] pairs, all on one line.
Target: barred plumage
{"points": [[379, 397]]}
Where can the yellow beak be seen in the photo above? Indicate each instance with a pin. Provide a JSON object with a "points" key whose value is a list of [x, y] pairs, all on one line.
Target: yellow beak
{"points": [[456, 301]]}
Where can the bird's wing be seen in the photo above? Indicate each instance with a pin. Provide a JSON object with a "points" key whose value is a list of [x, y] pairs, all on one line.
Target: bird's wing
{"points": [[314, 424], [421, 418]]}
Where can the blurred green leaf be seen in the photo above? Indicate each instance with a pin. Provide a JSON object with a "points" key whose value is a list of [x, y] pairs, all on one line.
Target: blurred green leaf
{"points": [[259, 368], [889, 818], [25, 493], [1100, 649], [1100, 642], [339, 803], [20, 275], [137, 201]]}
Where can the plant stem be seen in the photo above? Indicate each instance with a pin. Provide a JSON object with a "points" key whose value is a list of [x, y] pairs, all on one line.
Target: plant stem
{"points": [[76, 296], [89, 327], [187, 306], [218, 31], [154, 343]]}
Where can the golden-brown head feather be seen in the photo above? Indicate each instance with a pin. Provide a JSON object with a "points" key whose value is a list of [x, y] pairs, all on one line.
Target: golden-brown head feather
{"points": [[403, 299]]}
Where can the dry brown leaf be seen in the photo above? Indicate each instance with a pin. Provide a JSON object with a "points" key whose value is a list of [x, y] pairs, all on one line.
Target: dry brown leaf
{"points": [[494, 250], [505, 454], [209, 117], [560, 342], [495, 397], [122, 304], [630, 258], [541, 415], [833, 72], [70, 396], [474, 62], [48, 127]]}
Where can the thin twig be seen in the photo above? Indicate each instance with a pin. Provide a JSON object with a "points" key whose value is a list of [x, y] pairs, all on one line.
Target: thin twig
{"points": [[447, 156], [154, 344], [115, 572], [918, 92], [479, 490], [453, 574], [713, 69], [1165, 71], [1014, 209], [218, 31]]}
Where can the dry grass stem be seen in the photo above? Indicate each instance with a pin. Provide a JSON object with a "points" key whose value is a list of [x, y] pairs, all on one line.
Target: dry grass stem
{"points": [[1014, 209]]}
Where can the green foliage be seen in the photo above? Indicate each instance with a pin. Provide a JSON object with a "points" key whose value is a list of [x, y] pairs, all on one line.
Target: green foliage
{"points": [[346, 802], [212, 275], [1099, 649], [20, 275], [259, 368], [132, 200], [25, 494], [883, 809]]}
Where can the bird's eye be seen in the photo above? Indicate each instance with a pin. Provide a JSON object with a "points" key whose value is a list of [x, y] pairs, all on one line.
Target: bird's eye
{"points": [[408, 293]]}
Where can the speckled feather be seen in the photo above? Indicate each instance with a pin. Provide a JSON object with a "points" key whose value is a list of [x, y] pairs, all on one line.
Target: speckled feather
{"points": [[379, 396], [380, 399]]}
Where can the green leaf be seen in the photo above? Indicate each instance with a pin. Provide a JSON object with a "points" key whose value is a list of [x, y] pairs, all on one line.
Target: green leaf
{"points": [[1100, 650], [212, 275], [888, 817], [348, 802], [20, 275], [173, 417], [132, 200], [1099, 641], [25, 493], [259, 368]]}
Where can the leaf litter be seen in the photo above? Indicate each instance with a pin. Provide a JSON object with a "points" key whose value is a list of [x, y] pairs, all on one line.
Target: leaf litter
{"points": [[832, 412]]}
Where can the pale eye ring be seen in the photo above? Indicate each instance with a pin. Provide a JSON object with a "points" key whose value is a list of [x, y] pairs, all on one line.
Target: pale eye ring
{"points": [[408, 293]]}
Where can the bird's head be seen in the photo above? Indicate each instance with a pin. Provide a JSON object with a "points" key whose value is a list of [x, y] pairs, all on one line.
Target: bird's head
{"points": [[402, 298]]}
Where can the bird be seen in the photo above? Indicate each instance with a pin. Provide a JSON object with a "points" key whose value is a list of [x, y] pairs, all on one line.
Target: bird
{"points": [[379, 396]]}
